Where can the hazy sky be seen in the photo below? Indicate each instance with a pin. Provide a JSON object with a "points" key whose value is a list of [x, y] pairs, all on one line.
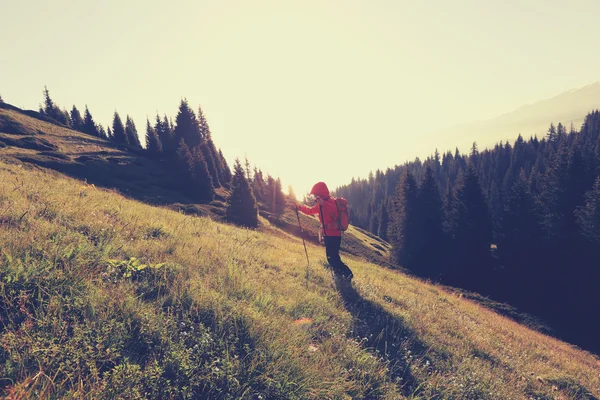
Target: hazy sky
{"points": [[308, 90]]}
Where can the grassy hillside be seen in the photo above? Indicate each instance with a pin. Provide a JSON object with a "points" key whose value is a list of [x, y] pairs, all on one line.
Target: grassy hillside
{"points": [[103, 296]]}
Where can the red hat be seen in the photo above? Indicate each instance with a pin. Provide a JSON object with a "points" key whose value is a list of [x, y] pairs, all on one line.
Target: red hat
{"points": [[320, 189]]}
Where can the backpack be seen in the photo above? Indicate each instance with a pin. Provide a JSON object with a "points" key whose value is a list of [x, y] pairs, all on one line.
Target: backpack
{"points": [[343, 214]]}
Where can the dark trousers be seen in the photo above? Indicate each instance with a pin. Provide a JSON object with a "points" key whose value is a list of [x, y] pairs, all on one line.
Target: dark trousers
{"points": [[332, 250]]}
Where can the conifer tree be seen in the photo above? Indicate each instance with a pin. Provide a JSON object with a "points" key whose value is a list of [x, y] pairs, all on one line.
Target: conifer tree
{"points": [[403, 227], [430, 220], [1, 100], [519, 242], [213, 160], [241, 205], [384, 220], [153, 144], [89, 126], [191, 166], [588, 216], [165, 134], [291, 194], [258, 185], [471, 230], [76, 119], [226, 170], [132, 136], [109, 133], [184, 163], [51, 110], [187, 126], [210, 162], [275, 197], [375, 211], [119, 135], [202, 183], [101, 132]]}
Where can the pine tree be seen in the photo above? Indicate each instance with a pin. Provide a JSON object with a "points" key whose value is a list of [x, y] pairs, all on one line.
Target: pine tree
{"points": [[471, 230], [275, 197], [165, 134], [258, 185], [187, 126], [153, 144], [190, 165], [375, 211], [89, 126], [51, 110], [101, 132], [132, 136], [214, 163], [588, 216], [119, 135], [403, 228], [430, 220], [291, 194], [519, 242], [226, 170], [202, 183], [184, 163], [210, 162], [384, 220], [241, 205], [76, 120]]}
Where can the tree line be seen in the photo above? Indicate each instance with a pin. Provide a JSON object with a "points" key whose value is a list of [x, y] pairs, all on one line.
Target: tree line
{"points": [[187, 149], [519, 222]]}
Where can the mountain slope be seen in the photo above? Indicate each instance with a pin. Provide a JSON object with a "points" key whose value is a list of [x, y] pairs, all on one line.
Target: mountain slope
{"points": [[103, 296], [567, 108]]}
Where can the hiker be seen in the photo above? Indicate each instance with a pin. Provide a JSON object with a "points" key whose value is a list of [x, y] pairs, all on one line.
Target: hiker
{"points": [[328, 215]]}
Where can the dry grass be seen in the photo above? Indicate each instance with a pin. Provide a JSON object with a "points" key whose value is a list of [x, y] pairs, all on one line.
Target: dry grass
{"points": [[208, 310]]}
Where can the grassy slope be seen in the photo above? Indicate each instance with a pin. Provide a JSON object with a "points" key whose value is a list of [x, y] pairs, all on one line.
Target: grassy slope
{"points": [[218, 311]]}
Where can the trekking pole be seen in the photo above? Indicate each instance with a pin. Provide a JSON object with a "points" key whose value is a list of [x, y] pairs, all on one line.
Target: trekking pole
{"points": [[304, 243]]}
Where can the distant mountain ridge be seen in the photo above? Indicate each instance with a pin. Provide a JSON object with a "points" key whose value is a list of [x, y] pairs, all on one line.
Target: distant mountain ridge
{"points": [[569, 107]]}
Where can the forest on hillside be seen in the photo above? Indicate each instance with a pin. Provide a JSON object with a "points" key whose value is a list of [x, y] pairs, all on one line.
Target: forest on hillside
{"points": [[519, 223], [185, 149]]}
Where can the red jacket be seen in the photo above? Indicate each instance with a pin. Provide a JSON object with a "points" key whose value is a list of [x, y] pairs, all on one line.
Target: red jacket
{"points": [[329, 219]]}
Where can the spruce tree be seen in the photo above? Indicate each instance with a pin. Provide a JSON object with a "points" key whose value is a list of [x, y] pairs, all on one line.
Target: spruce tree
{"points": [[430, 220], [119, 135], [202, 184], [153, 144], [133, 138], [519, 242], [258, 185], [51, 110], [184, 163], [291, 193], [226, 170], [89, 126], [187, 126], [165, 134], [403, 227], [275, 196], [241, 205], [210, 162], [213, 160], [76, 120], [588, 216], [101, 132], [384, 220], [471, 231]]}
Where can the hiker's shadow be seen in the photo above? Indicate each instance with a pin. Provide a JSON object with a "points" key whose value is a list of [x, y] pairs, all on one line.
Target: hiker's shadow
{"points": [[384, 334]]}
